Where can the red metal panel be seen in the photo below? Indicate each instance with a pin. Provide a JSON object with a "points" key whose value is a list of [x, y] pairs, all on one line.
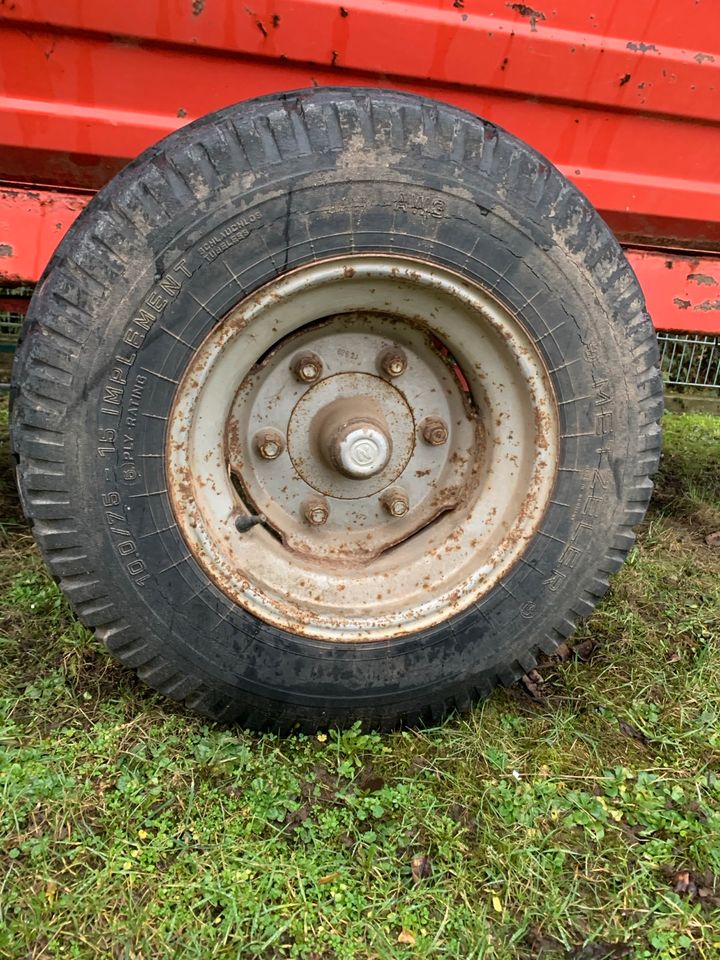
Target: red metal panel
{"points": [[32, 223], [585, 48], [682, 292], [622, 96]]}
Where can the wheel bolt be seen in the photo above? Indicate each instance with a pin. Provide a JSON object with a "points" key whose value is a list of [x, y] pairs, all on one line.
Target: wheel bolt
{"points": [[392, 361], [269, 444], [396, 502], [434, 431], [316, 511], [307, 367]]}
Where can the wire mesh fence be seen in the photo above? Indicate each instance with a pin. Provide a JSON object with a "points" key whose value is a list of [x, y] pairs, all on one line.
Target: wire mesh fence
{"points": [[11, 318], [690, 360], [13, 303], [12, 312]]}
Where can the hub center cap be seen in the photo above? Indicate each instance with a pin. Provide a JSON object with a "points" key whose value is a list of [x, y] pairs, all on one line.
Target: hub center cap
{"points": [[360, 450], [354, 435]]}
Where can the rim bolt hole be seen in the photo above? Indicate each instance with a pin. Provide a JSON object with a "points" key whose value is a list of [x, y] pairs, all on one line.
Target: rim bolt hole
{"points": [[269, 444], [396, 502], [307, 368], [434, 431], [392, 362]]}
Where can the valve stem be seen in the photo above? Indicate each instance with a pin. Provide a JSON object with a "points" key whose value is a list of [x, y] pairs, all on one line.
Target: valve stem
{"points": [[244, 524]]}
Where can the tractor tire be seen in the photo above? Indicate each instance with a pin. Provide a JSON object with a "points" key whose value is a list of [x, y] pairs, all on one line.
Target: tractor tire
{"points": [[336, 405]]}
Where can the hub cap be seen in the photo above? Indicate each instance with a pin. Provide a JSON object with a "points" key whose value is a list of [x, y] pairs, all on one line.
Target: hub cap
{"points": [[397, 483], [360, 448]]}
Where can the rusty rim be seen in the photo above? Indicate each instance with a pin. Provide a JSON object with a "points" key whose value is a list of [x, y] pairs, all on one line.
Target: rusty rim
{"points": [[362, 448]]}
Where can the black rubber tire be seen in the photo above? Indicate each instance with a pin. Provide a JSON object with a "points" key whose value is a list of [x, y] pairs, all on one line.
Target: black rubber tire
{"points": [[301, 176]]}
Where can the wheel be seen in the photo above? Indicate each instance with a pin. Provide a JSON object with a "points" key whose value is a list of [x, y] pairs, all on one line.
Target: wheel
{"points": [[334, 405]]}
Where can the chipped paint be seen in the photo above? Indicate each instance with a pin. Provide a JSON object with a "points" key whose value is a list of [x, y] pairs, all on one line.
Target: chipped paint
{"points": [[707, 305], [525, 11], [640, 47], [676, 288]]}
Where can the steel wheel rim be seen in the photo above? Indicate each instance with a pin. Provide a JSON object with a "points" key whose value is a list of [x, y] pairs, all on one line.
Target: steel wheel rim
{"points": [[448, 563]]}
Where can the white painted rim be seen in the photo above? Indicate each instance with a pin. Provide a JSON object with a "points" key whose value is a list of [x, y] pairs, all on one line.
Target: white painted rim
{"points": [[447, 566]]}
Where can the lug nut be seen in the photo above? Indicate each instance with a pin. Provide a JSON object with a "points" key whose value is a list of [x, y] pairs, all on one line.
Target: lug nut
{"points": [[269, 444], [316, 511], [434, 431], [396, 502], [392, 362], [307, 367]]}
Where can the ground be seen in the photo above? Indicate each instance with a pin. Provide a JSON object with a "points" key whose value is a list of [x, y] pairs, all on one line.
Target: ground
{"points": [[576, 816]]}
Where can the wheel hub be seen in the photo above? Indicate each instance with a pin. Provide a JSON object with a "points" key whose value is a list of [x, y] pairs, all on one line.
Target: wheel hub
{"points": [[352, 438], [349, 435]]}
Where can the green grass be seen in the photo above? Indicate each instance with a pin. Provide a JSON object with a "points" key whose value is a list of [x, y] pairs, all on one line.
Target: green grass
{"points": [[581, 822]]}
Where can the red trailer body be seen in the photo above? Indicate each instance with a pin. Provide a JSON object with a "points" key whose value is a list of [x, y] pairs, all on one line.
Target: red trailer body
{"points": [[623, 97]]}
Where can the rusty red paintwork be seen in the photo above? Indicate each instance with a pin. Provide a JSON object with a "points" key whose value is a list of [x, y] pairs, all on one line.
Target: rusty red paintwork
{"points": [[32, 223], [623, 97], [682, 291]]}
